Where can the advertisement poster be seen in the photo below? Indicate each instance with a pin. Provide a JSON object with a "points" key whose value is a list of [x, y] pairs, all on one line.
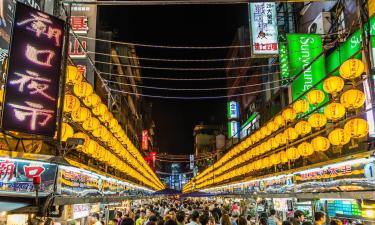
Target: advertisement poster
{"points": [[264, 33], [32, 87], [17, 175], [303, 49]]}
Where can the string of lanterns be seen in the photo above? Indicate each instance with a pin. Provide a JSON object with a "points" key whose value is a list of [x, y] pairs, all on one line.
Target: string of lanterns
{"points": [[112, 146], [261, 142]]}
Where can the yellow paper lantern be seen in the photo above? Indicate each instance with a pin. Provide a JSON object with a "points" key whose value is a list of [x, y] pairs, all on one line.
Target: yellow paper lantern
{"points": [[94, 100], [73, 75], [87, 100], [315, 97], [339, 137], [112, 123], [357, 128], [301, 106], [275, 159], [272, 126], [274, 143], [98, 131], [105, 117], [351, 69], [291, 134], [334, 111], [81, 114], [303, 128], [333, 85], [317, 120], [292, 153], [1, 95], [320, 144], [281, 138], [352, 99], [264, 132], [305, 149], [92, 147], [71, 103], [279, 121], [66, 131], [82, 89], [91, 124], [101, 109], [283, 157], [289, 114]]}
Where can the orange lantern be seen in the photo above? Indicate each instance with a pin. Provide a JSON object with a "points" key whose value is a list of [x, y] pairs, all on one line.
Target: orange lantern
{"points": [[315, 97], [333, 85], [71, 103], [352, 99], [339, 137], [292, 153], [82, 89], [317, 120], [301, 106], [279, 121], [303, 128], [351, 69], [334, 111], [305, 149], [357, 128], [320, 144], [289, 114], [281, 138], [81, 114], [291, 134], [91, 124]]}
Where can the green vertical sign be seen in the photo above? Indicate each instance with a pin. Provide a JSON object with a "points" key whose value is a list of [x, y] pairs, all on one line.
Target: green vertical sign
{"points": [[347, 50], [302, 50], [283, 60]]}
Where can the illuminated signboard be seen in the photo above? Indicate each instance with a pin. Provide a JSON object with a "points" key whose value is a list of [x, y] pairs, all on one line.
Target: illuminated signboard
{"points": [[233, 111], [79, 24], [264, 33], [75, 49], [32, 86], [233, 129], [17, 175], [145, 139], [283, 61], [303, 49]]}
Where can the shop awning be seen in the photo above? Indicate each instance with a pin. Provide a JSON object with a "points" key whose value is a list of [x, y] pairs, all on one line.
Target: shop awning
{"points": [[6, 206]]}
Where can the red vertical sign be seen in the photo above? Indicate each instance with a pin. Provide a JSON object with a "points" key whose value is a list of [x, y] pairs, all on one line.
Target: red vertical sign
{"points": [[144, 139]]}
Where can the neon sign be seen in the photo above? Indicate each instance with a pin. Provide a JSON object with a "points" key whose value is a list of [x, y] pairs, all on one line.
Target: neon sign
{"points": [[32, 86]]}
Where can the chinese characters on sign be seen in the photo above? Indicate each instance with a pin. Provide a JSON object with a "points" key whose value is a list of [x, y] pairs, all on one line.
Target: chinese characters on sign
{"points": [[233, 111], [327, 173], [264, 31], [79, 24], [18, 175], [144, 139], [32, 86]]}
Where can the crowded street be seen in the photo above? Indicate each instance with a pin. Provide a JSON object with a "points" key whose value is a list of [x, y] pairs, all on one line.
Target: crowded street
{"points": [[187, 112]]}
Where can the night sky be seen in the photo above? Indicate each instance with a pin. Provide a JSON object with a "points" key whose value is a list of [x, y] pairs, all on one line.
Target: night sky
{"points": [[179, 25]]}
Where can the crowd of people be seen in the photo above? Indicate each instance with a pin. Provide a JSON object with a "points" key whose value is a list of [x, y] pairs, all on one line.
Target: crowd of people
{"points": [[206, 213]]}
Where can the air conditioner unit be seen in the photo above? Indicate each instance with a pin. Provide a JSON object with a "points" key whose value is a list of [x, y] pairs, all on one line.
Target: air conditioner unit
{"points": [[321, 24]]}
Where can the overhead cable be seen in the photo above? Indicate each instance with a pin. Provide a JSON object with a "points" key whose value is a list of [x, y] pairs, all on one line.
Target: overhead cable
{"points": [[194, 98], [168, 46], [189, 79], [193, 89], [185, 68]]}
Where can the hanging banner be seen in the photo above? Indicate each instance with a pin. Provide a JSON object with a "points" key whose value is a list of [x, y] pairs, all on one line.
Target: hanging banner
{"points": [[233, 110], [32, 86], [233, 129], [283, 61], [144, 139], [17, 175], [303, 49], [264, 33]]}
